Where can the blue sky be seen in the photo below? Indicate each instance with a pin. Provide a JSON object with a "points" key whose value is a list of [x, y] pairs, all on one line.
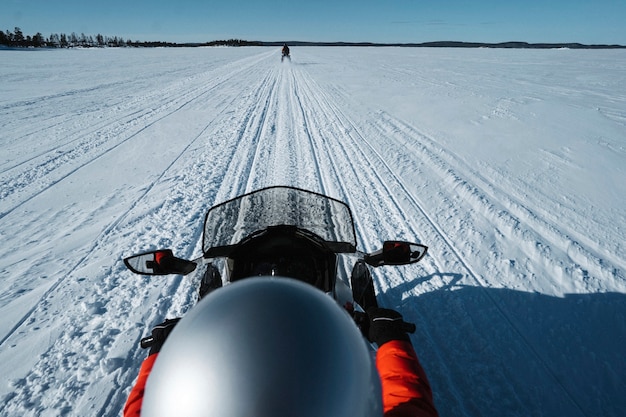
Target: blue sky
{"points": [[593, 21]]}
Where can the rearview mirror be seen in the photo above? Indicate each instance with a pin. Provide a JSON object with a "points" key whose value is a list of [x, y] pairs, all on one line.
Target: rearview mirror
{"points": [[396, 253], [159, 262]]}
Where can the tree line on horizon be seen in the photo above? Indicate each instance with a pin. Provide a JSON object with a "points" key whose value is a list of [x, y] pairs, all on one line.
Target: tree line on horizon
{"points": [[17, 39], [55, 40]]}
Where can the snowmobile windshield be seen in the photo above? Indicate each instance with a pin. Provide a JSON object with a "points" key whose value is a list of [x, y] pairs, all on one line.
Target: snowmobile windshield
{"points": [[233, 221]]}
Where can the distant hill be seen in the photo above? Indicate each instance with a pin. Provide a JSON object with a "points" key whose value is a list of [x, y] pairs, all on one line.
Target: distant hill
{"points": [[17, 40], [452, 44]]}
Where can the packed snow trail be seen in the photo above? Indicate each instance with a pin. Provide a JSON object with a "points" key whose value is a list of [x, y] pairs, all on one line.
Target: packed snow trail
{"points": [[520, 309]]}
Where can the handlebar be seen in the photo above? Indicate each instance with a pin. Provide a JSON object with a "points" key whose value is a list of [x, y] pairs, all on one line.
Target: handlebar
{"points": [[408, 327], [359, 318], [146, 342]]}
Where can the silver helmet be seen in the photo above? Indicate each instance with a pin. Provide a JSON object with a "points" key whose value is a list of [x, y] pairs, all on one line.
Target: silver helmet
{"points": [[264, 347]]}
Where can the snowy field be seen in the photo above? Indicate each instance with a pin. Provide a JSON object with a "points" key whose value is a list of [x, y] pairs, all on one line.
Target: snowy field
{"points": [[509, 164]]}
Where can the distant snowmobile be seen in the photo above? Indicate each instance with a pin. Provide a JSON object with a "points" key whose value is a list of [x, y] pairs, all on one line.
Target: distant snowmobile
{"points": [[284, 232], [285, 53]]}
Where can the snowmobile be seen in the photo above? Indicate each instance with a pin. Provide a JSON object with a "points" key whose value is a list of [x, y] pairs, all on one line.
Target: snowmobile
{"points": [[285, 232]]}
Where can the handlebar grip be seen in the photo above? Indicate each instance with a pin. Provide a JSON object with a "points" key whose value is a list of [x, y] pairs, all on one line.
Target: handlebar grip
{"points": [[408, 327], [360, 318], [146, 342]]}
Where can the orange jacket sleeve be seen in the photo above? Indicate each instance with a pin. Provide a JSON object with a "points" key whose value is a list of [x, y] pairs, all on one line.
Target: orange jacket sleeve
{"points": [[135, 398], [406, 390]]}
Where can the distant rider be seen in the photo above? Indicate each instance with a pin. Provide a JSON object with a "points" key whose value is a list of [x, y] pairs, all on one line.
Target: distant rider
{"points": [[285, 53]]}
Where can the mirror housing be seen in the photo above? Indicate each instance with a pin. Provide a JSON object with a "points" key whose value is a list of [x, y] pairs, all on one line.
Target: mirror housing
{"points": [[395, 252], [159, 262]]}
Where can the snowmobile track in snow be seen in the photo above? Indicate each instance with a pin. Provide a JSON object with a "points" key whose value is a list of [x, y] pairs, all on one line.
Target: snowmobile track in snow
{"points": [[109, 135], [392, 185], [509, 292]]}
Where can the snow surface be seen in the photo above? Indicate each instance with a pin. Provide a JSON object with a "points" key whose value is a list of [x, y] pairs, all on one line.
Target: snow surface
{"points": [[509, 164]]}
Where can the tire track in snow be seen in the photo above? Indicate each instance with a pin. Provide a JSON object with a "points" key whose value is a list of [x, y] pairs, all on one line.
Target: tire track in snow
{"points": [[511, 216], [248, 139], [475, 276], [335, 140], [253, 113], [99, 306], [332, 146], [81, 137], [20, 187], [350, 145], [210, 169], [103, 234], [342, 170], [273, 143], [304, 168], [68, 336], [328, 134]]}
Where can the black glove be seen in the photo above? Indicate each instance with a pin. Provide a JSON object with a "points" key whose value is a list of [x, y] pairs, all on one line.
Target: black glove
{"points": [[160, 333], [386, 325]]}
